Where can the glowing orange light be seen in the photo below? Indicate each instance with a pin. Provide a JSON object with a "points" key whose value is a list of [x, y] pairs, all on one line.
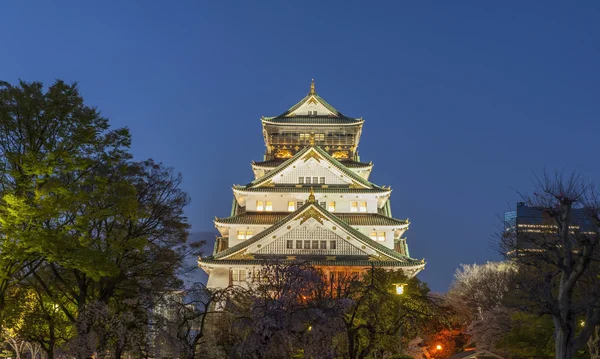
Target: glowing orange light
{"points": [[439, 347]]}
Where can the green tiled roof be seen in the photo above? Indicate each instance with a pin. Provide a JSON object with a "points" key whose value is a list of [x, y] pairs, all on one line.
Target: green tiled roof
{"points": [[306, 189], [321, 152], [353, 219], [338, 117], [355, 164], [408, 263], [313, 120], [276, 162], [357, 234]]}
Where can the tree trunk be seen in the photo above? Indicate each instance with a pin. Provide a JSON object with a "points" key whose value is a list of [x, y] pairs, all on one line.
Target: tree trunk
{"points": [[564, 344], [594, 344], [352, 350]]}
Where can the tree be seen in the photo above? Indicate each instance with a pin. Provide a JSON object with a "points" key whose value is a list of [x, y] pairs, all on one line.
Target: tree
{"points": [[557, 260], [379, 321], [478, 294], [142, 236], [81, 223], [50, 143], [180, 318], [287, 311]]}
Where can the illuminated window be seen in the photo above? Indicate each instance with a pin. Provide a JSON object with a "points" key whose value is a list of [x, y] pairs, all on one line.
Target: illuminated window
{"points": [[306, 244], [373, 236], [354, 207], [363, 207], [238, 275], [244, 235], [319, 136], [321, 180], [323, 244], [269, 206], [331, 207], [299, 204], [291, 206], [301, 180], [289, 244], [381, 236], [260, 206], [298, 244], [331, 244], [304, 137]]}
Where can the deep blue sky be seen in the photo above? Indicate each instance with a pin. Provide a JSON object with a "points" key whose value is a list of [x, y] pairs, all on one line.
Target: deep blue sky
{"points": [[462, 102]]}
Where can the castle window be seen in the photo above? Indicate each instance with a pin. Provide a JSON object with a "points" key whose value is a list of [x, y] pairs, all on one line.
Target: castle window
{"points": [[269, 206], [331, 207], [321, 180], [238, 275], [260, 206], [373, 236], [307, 180], [363, 207], [301, 180], [299, 204], [315, 244], [315, 180], [298, 244], [319, 136], [291, 207], [354, 207], [306, 244], [323, 204], [289, 244], [323, 244], [242, 235], [332, 244], [381, 236]]}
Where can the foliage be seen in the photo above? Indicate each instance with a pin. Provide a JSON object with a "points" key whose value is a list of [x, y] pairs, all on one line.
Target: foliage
{"points": [[297, 311], [88, 237], [478, 294], [51, 143], [557, 273], [180, 318], [530, 336]]}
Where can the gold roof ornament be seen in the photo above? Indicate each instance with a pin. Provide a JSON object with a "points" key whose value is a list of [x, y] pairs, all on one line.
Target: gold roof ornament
{"points": [[311, 196], [312, 87]]}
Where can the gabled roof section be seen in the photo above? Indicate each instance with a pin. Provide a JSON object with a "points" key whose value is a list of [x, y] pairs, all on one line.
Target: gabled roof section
{"points": [[312, 109], [313, 210], [352, 219], [276, 162], [318, 154]]}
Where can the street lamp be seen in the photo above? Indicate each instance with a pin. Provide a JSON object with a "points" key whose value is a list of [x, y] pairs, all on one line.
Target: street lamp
{"points": [[399, 288], [438, 347]]}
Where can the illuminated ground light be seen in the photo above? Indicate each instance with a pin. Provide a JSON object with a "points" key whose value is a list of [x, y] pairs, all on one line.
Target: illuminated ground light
{"points": [[438, 347]]}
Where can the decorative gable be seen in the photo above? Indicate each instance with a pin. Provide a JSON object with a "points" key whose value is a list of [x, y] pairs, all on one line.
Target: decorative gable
{"points": [[310, 238], [311, 166], [311, 224], [312, 106]]}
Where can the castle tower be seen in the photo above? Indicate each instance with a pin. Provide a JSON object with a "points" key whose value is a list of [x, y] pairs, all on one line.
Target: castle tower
{"points": [[311, 200]]}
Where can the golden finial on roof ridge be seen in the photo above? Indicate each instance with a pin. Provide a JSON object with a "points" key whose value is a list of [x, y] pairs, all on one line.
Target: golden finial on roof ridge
{"points": [[311, 196], [312, 86]]}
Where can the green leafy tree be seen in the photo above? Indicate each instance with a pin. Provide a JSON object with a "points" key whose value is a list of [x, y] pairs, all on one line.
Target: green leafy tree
{"points": [[50, 145]]}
